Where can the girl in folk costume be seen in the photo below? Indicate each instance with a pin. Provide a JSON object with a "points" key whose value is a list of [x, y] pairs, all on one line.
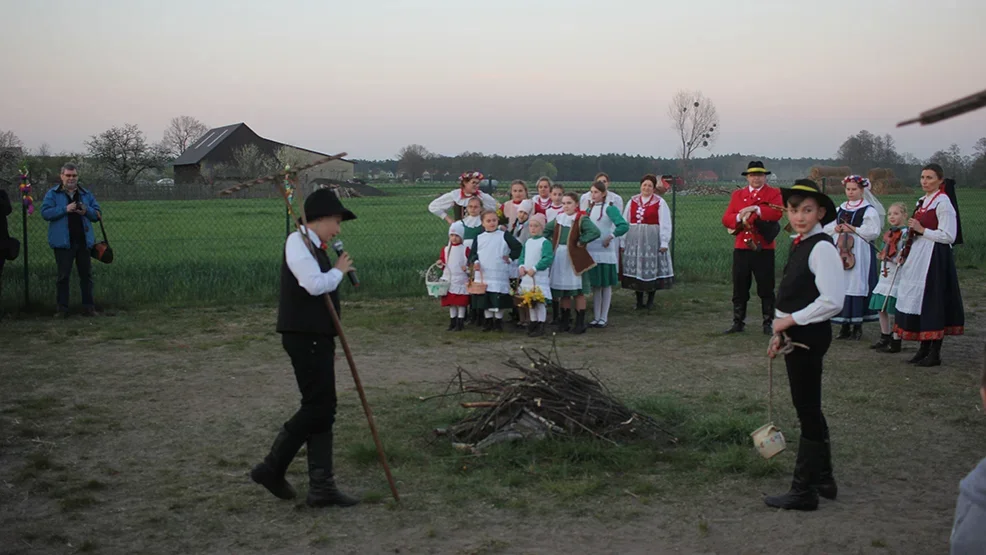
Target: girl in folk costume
{"points": [[810, 293], [929, 303], [536, 259], [490, 255], [459, 198], [605, 251], [569, 234], [518, 194], [472, 221], [858, 223], [521, 233], [884, 298], [646, 261], [543, 200], [611, 196], [455, 258], [557, 194]]}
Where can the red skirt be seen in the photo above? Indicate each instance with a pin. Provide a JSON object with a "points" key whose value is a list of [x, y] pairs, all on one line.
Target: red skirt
{"points": [[455, 299]]}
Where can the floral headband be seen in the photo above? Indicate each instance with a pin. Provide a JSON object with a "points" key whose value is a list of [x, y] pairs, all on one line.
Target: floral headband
{"points": [[470, 175], [857, 179]]}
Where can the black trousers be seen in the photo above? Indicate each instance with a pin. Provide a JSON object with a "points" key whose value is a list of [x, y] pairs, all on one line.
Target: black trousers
{"points": [[78, 255], [804, 372], [748, 264], [313, 359]]}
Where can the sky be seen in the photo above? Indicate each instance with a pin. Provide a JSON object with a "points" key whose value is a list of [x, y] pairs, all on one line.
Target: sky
{"points": [[789, 78]]}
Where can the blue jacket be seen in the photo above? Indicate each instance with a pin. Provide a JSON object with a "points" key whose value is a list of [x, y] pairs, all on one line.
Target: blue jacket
{"points": [[53, 211]]}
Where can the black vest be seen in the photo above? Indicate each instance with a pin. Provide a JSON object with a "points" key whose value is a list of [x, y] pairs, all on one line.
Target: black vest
{"points": [[853, 218], [299, 312], [797, 289]]}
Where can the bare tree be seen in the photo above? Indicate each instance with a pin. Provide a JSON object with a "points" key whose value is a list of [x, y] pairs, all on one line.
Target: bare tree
{"points": [[412, 160], [124, 153], [181, 133], [694, 119], [250, 161], [44, 150]]}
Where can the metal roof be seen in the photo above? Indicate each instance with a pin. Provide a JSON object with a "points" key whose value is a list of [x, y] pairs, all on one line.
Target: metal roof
{"points": [[204, 144]]}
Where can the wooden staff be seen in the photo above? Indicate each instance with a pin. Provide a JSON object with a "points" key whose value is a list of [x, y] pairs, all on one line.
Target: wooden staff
{"points": [[302, 229], [275, 176]]}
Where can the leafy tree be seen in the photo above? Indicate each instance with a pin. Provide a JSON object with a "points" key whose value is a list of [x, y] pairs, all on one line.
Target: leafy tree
{"points": [[124, 153]]}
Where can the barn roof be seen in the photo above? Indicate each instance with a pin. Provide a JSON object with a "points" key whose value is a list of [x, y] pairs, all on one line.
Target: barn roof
{"points": [[214, 137]]}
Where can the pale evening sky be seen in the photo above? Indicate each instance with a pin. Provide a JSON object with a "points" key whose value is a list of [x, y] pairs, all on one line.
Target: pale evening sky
{"points": [[789, 77]]}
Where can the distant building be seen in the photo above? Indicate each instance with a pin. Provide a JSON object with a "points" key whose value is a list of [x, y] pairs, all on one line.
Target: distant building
{"points": [[707, 175], [218, 146]]}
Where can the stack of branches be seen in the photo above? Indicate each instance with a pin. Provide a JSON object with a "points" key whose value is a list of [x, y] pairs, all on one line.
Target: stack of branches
{"points": [[546, 400], [884, 182]]}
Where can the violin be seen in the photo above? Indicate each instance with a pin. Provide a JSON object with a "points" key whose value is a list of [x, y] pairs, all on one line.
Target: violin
{"points": [[891, 242], [910, 235], [845, 244]]}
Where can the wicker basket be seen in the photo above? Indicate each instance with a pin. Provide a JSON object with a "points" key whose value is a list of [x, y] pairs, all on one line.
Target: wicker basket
{"points": [[477, 287], [437, 287]]}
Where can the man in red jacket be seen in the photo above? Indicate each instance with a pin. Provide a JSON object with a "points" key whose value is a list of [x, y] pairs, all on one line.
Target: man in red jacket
{"points": [[752, 217]]}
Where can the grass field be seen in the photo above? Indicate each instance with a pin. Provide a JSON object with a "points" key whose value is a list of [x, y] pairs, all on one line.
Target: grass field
{"points": [[228, 250]]}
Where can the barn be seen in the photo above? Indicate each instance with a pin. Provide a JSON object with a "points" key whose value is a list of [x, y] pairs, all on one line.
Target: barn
{"points": [[217, 148]]}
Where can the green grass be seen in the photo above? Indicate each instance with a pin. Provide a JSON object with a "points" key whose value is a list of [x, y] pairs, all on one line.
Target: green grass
{"points": [[229, 250]]}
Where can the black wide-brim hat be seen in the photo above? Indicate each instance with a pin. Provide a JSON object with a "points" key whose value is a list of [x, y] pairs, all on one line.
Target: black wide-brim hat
{"points": [[325, 202], [808, 188], [755, 167]]}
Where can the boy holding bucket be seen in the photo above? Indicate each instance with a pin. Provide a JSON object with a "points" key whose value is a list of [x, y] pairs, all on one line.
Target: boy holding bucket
{"points": [[810, 294]]}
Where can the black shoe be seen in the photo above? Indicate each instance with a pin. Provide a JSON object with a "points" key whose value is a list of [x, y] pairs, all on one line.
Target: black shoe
{"points": [[802, 496], [893, 347], [270, 473], [452, 324], [554, 311], [650, 300], [857, 332], [322, 490], [825, 484], [640, 301], [498, 324], [739, 316], [580, 325], [537, 329], [921, 354], [883, 343], [564, 322], [844, 332], [488, 324], [934, 355]]}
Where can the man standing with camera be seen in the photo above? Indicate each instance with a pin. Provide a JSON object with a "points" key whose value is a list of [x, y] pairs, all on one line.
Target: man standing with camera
{"points": [[69, 211]]}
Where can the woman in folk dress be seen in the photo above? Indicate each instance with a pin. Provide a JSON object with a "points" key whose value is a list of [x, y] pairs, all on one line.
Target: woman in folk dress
{"points": [[861, 217], [605, 251], [569, 233], [490, 254], [459, 198], [543, 199], [929, 302], [455, 258], [536, 259], [646, 261]]}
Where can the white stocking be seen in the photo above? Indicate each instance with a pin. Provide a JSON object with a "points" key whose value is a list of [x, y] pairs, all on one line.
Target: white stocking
{"points": [[488, 313], [540, 313], [452, 311], [461, 310], [607, 295], [498, 314], [597, 302]]}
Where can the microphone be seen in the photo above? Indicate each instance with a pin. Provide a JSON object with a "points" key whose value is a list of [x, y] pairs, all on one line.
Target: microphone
{"points": [[337, 246]]}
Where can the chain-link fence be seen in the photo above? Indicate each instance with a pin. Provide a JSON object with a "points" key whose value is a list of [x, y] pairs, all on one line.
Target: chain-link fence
{"points": [[173, 247]]}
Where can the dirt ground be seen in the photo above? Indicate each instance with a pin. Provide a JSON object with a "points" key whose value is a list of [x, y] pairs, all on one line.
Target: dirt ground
{"points": [[134, 432]]}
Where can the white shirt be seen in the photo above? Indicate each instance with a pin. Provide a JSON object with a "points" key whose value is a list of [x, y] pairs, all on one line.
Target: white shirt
{"points": [[440, 205], [611, 198], [305, 268], [825, 263]]}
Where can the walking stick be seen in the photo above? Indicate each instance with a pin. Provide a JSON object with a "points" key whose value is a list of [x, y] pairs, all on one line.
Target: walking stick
{"points": [[302, 229]]}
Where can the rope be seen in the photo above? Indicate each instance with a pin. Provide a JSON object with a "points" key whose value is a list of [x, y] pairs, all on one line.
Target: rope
{"points": [[787, 346]]}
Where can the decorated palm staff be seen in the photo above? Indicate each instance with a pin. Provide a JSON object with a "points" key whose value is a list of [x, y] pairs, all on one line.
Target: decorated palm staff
{"points": [[810, 294], [752, 216], [929, 302], [308, 322]]}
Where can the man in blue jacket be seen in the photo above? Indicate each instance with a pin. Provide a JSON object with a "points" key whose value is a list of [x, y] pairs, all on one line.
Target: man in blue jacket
{"points": [[70, 211]]}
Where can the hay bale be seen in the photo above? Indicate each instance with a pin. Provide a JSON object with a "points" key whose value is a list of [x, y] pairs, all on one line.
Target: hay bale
{"points": [[880, 173], [889, 186], [818, 172], [830, 185]]}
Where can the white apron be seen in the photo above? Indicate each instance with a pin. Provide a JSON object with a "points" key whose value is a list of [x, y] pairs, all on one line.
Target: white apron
{"points": [[562, 272], [601, 254], [455, 259], [858, 278], [913, 273], [493, 271], [542, 278]]}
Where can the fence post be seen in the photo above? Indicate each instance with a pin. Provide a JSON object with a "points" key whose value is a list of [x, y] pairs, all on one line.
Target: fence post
{"points": [[674, 203], [27, 282], [287, 222]]}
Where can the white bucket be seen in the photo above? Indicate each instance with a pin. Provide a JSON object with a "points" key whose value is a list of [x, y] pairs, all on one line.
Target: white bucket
{"points": [[769, 440]]}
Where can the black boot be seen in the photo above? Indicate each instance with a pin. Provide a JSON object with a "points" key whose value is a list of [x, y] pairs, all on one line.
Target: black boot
{"points": [[537, 329], [580, 325], [452, 324], [825, 484], [564, 323], [922, 352], [270, 473], [488, 324], [844, 332], [894, 346], [650, 300], [739, 316], [554, 312], [802, 496], [934, 355], [883, 343], [497, 324], [857, 332], [767, 309], [322, 490], [640, 300]]}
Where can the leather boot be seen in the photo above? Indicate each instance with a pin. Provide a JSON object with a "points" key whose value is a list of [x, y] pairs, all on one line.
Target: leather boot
{"points": [[739, 317], [640, 300], [270, 473], [487, 324], [934, 355], [802, 496], [580, 325], [564, 323], [498, 324], [921, 354], [767, 309], [844, 332], [650, 300], [894, 346], [857, 332], [322, 490], [537, 329], [825, 484], [452, 324], [555, 307], [882, 344]]}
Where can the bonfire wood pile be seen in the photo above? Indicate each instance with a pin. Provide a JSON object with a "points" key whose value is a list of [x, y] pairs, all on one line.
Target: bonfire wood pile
{"points": [[546, 400]]}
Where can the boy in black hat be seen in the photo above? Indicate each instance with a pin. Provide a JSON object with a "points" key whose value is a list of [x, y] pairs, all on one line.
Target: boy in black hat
{"points": [[307, 334], [752, 217], [810, 294]]}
